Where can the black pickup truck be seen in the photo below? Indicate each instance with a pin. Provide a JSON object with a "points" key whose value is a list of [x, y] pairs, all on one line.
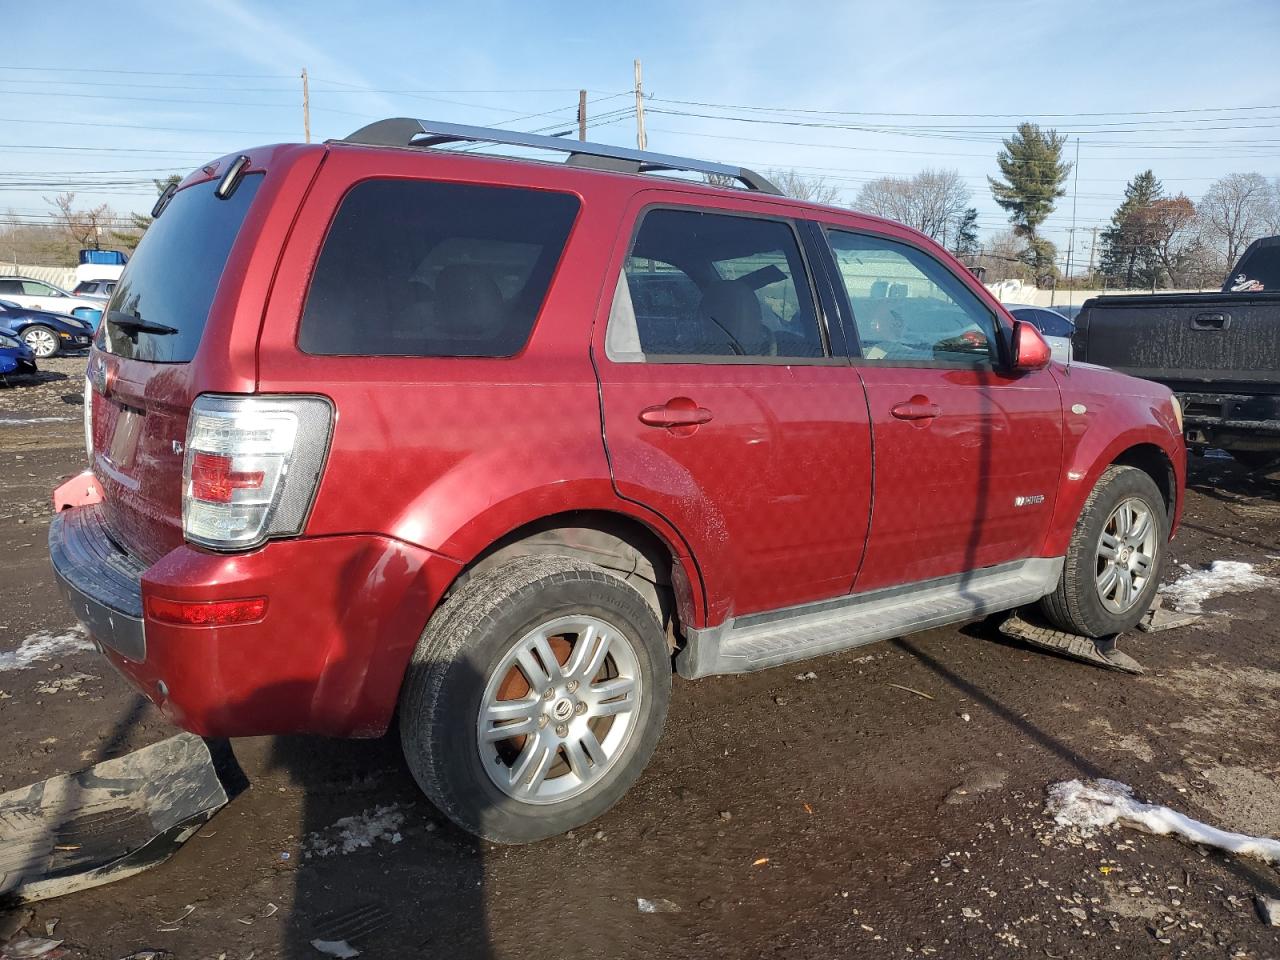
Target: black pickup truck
{"points": [[1219, 352]]}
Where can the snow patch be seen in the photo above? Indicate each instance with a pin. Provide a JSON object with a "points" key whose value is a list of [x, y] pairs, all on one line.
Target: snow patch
{"points": [[357, 832], [1223, 576], [21, 421], [1090, 806], [336, 948], [45, 645]]}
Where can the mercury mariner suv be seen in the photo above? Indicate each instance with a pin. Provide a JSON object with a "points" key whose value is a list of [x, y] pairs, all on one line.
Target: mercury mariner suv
{"points": [[381, 429]]}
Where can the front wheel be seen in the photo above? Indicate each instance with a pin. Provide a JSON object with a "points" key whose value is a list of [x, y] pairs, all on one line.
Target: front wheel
{"points": [[42, 341], [535, 697], [1112, 568]]}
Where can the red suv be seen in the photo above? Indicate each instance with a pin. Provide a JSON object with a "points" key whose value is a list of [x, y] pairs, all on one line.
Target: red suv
{"points": [[498, 444]]}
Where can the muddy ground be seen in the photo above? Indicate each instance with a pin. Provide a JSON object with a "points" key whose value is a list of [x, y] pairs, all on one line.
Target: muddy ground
{"points": [[832, 816]]}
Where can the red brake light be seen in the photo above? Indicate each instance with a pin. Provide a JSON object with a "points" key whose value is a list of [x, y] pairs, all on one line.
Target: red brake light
{"points": [[215, 613], [213, 480]]}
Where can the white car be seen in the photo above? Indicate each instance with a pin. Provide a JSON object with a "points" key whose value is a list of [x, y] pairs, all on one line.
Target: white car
{"points": [[38, 295], [1053, 326]]}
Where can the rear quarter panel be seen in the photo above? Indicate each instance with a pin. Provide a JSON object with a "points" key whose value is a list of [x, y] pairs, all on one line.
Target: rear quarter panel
{"points": [[450, 454]]}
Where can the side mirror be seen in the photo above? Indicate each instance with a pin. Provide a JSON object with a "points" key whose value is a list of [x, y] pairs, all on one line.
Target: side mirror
{"points": [[1030, 352]]}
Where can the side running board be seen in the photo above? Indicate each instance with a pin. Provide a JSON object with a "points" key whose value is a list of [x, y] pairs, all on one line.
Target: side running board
{"points": [[763, 640]]}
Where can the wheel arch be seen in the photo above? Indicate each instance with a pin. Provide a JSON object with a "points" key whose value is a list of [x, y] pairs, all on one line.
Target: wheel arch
{"points": [[620, 543], [1154, 462]]}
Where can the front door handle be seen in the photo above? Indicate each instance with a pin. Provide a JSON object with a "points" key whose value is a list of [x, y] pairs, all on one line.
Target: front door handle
{"points": [[675, 413], [917, 408]]}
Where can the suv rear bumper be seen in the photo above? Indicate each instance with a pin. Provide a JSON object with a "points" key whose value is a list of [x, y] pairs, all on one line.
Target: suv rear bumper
{"points": [[342, 619]]}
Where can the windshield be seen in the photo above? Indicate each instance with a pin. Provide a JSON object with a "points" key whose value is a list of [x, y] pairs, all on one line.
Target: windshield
{"points": [[161, 302]]}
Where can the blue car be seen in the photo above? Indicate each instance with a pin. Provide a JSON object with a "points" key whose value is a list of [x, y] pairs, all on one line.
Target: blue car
{"points": [[47, 334], [15, 356]]}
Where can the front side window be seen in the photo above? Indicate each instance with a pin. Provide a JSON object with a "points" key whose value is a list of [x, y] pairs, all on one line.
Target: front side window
{"points": [[712, 285], [908, 307], [34, 288], [425, 269]]}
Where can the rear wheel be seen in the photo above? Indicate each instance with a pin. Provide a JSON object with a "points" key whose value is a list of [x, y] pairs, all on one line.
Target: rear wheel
{"points": [[42, 341], [535, 698], [1112, 568]]}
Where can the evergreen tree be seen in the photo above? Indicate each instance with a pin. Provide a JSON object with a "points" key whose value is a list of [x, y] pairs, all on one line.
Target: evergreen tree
{"points": [[967, 234], [1129, 246], [140, 221], [1033, 173]]}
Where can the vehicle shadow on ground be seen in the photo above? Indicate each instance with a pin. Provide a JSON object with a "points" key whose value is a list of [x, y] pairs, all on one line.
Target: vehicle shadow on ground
{"points": [[1266, 882], [416, 888]]}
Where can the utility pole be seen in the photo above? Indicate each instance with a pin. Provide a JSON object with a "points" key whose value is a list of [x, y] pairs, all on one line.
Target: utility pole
{"points": [[1092, 246], [306, 107], [1075, 195], [641, 141], [582, 115]]}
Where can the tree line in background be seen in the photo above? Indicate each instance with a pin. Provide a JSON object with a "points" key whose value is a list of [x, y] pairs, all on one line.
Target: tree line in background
{"points": [[70, 229], [1154, 239]]}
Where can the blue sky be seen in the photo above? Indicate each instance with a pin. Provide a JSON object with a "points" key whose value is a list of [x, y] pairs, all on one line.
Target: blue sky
{"points": [[200, 78]]}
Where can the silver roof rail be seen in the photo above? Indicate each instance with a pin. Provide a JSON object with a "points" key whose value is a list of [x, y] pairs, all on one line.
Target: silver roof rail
{"points": [[407, 132]]}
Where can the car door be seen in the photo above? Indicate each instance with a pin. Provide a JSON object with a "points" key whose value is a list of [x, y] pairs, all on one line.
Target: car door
{"points": [[723, 407], [40, 296], [967, 451]]}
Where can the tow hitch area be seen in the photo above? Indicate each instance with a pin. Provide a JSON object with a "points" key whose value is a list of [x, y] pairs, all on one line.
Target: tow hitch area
{"points": [[1102, 652], [113, 820]]}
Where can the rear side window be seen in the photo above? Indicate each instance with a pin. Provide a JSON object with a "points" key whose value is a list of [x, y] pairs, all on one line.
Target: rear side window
{"points": [[168, 285], [423, 269], [715, 286]]}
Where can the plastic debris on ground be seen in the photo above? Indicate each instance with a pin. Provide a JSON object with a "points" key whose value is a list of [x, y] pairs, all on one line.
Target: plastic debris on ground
{"points": [[656, 906], [1102, 652], [1222, 576], [336, 948], [358, 832], [28, 948], [1089, 806]]}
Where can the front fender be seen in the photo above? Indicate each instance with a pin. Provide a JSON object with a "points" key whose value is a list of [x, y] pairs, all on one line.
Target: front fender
{"points": [[1097, 438]]}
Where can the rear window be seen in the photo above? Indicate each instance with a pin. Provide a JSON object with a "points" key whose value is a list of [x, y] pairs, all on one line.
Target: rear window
{"points": [[172, 278], [423, 269]]}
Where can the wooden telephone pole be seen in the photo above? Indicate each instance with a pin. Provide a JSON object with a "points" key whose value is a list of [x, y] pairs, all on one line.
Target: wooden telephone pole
{"points": [[582, 115], [641, 140], [306, 107]]}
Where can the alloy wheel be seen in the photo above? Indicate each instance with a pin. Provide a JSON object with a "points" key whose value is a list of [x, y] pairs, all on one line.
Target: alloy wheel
{"points": [[559, 709], [42, 342], [1126, 555]]}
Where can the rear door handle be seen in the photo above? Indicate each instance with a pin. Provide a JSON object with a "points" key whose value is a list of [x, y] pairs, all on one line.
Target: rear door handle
{"points": [[1211, 321], [917, 408], [676, 412]]}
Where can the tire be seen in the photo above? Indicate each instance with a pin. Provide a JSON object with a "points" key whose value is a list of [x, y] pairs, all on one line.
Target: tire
{"points": [[42, 341], [1256, 460], [1079, 605], [463, 661]]}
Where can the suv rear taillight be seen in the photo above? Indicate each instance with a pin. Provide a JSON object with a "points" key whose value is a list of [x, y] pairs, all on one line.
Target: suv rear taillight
{"points": [[252, 466]]}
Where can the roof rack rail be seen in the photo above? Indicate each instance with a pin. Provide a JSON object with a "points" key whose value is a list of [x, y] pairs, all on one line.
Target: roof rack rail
{"points": [[407, 132]]}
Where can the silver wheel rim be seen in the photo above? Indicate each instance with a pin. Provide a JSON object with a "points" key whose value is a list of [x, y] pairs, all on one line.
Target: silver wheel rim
{"points": [[1126, 554], [559, 709], [41, 342]]}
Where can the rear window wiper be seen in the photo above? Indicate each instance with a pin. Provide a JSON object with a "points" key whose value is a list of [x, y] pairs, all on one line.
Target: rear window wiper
{"points": [[127, 321]]}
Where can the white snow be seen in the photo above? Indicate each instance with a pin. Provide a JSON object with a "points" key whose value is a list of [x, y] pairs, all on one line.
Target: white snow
{"points": [[357, 832], [45, 645], [1089, 806], [1223, 576], [657, 905], [336, 948], [21, 421]]}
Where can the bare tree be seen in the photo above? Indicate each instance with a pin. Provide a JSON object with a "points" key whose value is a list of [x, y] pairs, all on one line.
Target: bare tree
{"points": [[1171, 222], [84, 227], [933, 201], [1235, 211], [794, 184]]}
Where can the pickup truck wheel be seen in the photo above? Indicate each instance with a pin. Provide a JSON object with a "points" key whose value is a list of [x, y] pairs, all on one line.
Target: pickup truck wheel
{"points": [[1112, 568], [535, 698]]}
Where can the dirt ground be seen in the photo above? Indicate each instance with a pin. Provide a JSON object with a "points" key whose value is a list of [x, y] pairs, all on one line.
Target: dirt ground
{"points": [[838, 815]]}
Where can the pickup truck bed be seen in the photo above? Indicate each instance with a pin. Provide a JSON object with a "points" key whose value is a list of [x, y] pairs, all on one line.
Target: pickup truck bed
{"points": [[1219, 352]]}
